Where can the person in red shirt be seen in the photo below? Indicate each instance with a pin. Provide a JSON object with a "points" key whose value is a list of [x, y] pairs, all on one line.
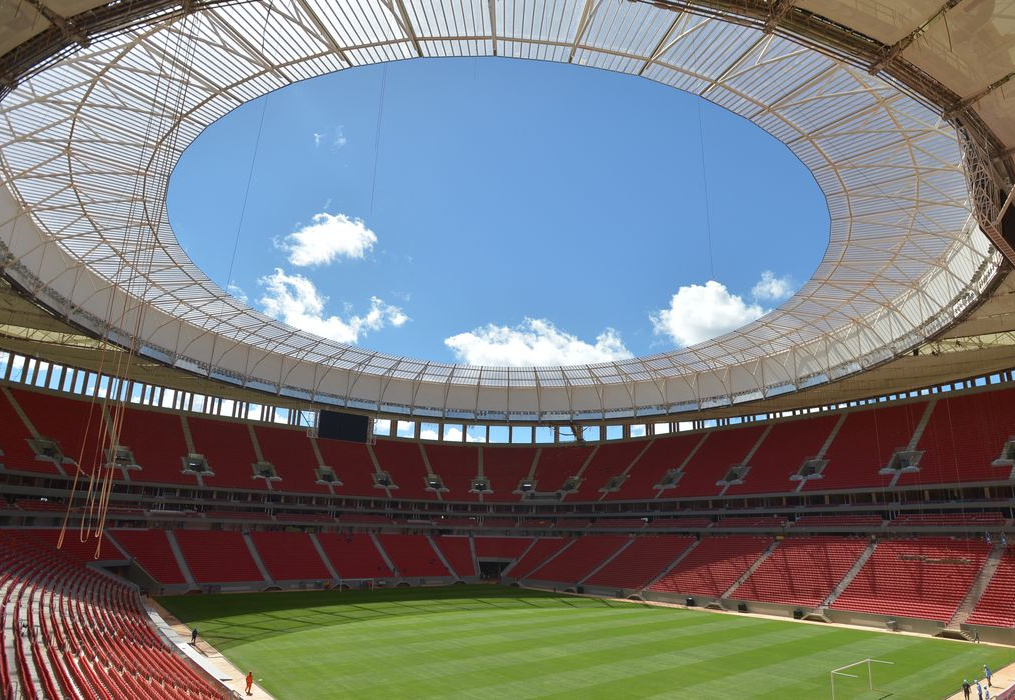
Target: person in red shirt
{"points": [[250, 682]]}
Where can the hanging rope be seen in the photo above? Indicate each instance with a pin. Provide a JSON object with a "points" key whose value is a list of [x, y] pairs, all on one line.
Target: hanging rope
{"points": [[134, 273]]}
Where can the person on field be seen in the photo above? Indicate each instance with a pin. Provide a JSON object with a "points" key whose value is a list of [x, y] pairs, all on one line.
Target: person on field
{"points": [[965, 689], [987, 674], [250, 682], [193, 636], [979, 689]]}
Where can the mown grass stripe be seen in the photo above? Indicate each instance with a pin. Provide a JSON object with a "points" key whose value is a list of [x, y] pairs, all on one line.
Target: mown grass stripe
{"points": [[492, 642]]}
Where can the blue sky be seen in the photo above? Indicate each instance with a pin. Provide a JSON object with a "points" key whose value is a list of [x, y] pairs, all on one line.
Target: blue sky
{"points": [[504, 212]]}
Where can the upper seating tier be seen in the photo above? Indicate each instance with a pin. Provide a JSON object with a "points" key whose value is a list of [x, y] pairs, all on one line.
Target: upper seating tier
{"points": [[782, 453], [292, 455], [505, 467], [457, 466], [964, 435], [404, 463], [229, 450], [721, 450], [610, 460], [17, 455], [557, 463], [865, 444]]}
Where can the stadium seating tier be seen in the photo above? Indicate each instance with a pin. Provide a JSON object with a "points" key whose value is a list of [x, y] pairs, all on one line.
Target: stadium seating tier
{"points": [[925, 578], [713, 565]]}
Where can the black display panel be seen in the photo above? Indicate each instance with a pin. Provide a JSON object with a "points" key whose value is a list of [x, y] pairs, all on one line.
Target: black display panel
{"points": [[350, 427]]}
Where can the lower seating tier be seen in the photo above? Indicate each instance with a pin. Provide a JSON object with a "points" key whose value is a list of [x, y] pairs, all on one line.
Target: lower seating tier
{"points": [[76, 633], [641, 562], [713, 565], [996, 606], [926, 578], [802, 570]]}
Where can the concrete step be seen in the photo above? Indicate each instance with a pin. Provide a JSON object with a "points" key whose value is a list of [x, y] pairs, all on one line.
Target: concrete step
{"points": [[983, 579], [955, 633], [257, 558], [324, 557], [751, 569], [180, 560], [608, 559], [673, 565], [850, 575]]}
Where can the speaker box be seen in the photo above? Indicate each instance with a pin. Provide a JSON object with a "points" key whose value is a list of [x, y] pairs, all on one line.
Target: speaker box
{"points": [[690, 602], [333, 425], [741, 607]]}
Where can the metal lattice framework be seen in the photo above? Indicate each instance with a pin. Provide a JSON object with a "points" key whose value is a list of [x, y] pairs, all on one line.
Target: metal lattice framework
{"points": [[87, 147]]}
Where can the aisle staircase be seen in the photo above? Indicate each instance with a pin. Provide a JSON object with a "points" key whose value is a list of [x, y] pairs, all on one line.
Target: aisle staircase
{"points": [[848, 578], [751, 569], [953, 630]]}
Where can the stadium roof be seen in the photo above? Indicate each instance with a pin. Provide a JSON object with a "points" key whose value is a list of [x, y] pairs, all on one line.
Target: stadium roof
{"points": [[87, 146]]}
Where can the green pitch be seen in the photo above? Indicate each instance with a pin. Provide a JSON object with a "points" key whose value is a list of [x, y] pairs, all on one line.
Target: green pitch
{"points": [[493, 642]]}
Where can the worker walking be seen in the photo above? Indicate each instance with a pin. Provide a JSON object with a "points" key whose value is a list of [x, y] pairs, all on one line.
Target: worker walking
{"points": [[250, 682]]}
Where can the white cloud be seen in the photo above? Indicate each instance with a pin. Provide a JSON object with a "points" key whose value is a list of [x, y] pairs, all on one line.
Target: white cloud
{"points": [[532, 343], [699, 312], [294, 300], [236, 291], [772, 288], [450, 435], [327, 238], [339, 139]]}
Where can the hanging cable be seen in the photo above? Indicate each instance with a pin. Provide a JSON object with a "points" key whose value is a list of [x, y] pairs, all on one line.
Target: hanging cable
{"points": [[377, 133], [253, 156], [704, 181]]}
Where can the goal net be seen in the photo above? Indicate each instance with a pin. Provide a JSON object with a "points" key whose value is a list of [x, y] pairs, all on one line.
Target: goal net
{"points": [[856, 681]]}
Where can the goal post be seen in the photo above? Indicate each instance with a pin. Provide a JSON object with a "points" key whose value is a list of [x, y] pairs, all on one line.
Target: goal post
{"points": [[867, 665]]}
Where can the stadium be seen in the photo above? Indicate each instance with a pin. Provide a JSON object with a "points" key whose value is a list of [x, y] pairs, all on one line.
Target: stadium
{"points": [[815, 504]]}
